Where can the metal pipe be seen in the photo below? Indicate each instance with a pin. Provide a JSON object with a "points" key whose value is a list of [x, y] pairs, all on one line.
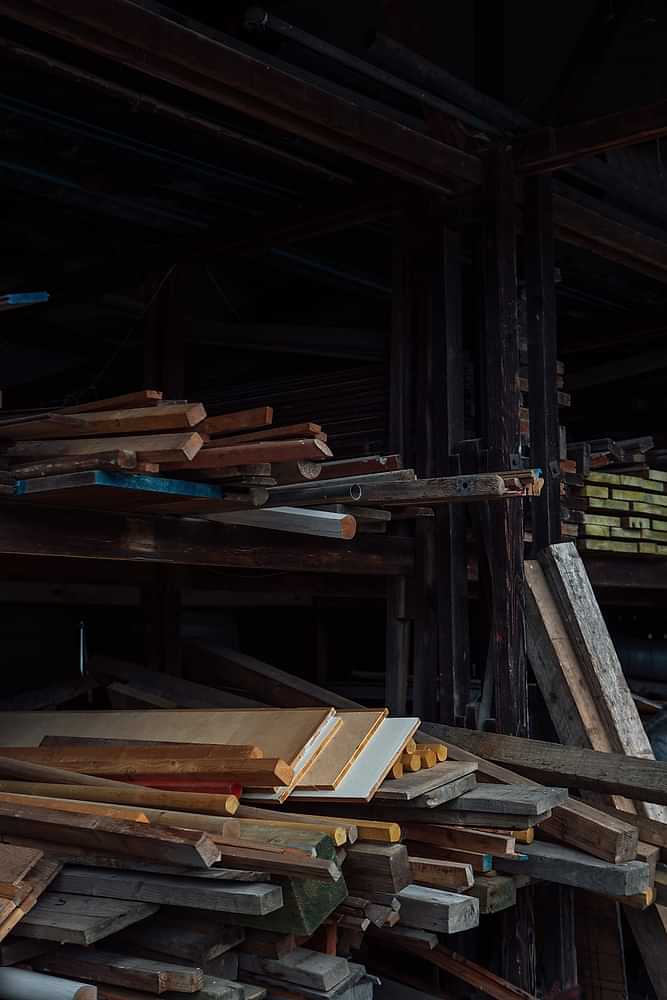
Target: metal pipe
{"points": [[259, 19], [492, 114]]}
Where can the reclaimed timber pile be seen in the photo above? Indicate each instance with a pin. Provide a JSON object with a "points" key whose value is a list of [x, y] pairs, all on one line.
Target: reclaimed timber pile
{"points": [[232, 852], [144, 453], [615, 501]]}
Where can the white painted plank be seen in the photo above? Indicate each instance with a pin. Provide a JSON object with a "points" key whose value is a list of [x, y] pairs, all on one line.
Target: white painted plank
{"points": [[371, 766], [296, 520]]}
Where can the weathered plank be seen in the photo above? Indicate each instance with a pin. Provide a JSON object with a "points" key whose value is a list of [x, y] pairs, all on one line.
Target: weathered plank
{"points": [[203, 894], [121, 970], [412, 786], [80, 919], [525, 800], [568, 867], [302, 967]]}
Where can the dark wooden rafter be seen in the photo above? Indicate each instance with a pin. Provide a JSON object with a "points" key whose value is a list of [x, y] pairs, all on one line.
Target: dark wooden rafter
{"points": [[554, 148], [541, 329], [218, 68]]}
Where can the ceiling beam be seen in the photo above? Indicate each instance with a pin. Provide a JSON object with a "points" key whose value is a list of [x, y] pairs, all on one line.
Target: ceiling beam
{"points": [[550, 149], [219, 68]]}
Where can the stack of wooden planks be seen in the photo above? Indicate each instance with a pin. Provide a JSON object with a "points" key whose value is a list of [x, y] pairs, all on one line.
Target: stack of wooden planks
{"points": [[622, 512], [141, 449]]}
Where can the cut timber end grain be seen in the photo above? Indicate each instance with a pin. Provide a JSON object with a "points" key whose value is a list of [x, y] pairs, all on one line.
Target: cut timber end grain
{"points": [[438, 910], [411, 762]]}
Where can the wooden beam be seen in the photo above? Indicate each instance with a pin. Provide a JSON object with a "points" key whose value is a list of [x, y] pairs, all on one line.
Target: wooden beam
{"points": [[217, 68], [551, 148], [186, 541], [569, 767]]}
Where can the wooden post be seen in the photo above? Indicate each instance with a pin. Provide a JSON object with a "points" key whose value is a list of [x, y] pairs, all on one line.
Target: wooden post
{"points": [[500, 379], [398, 626], [501, 383], [163, 369], [541, 324], [555, 916]]}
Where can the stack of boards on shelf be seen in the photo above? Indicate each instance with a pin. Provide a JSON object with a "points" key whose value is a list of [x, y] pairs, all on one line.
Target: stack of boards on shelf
{"points": [[614, 497], [142, 451]]}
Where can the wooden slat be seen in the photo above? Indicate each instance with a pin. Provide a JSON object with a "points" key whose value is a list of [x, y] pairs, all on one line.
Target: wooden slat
{"points": [[460, 838], [143, 397], [75, 919], [182, 767], [67, 805], [242, 420], [121, 970], [181, 847], [201, 894], [302, 430], [570, 767], [179, 447], [219, 456], [417, 786], [142, 420], [119, 459]]}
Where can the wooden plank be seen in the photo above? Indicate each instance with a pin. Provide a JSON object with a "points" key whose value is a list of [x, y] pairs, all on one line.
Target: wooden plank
{"points": [[600, 665], [213, 988], [109, 460], [143, 397], [441, 874], [568, 867], [460, 838], [492, 822], [285, 433], [494, 892], [178, 447], [575, 823], [371, 766], [366, 465], [649, 830], [302, 967], [280, 734], [22, 984], [322, 523], [80, 919], [437, 910], [182, 934], [15, 863], [481, 863], [522, 800], [140, 420], [121, 970], [144, 768], [41, 877], [349, 742], [170, 692], [180, 847], [203, 894], [219, 456], [413, 786], [241, 420], [571, 767]]}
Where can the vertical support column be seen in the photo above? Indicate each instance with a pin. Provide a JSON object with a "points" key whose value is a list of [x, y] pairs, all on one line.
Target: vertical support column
{"points": [[401, 441], [164, 369], [556, 916], [542, 389], [500, 366], [450, 519], [501, 377]]}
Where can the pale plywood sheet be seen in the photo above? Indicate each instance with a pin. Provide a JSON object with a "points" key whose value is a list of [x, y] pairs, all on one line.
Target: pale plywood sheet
{"points": [[371, 766], [411, 786], [334, 762], [287, 733], [312, 751]]}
